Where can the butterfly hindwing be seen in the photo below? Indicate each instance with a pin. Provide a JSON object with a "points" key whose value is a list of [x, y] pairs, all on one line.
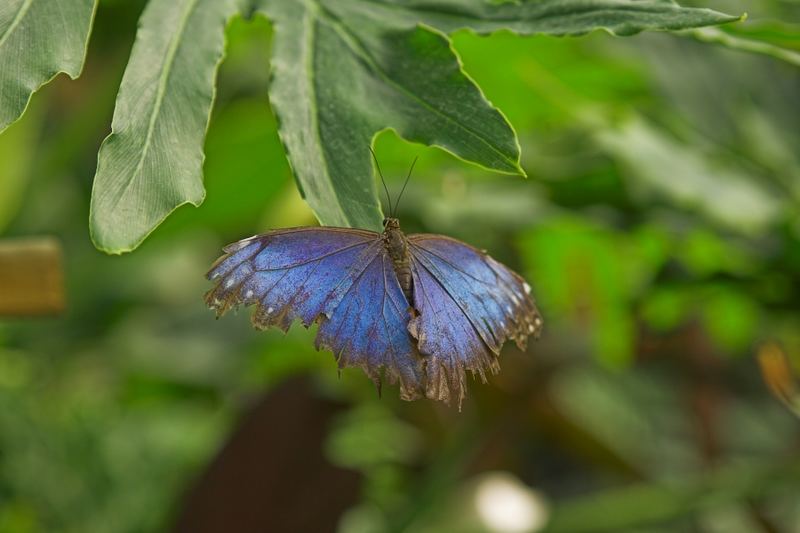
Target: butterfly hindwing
{"points": [[468, 305], [341, 279], [369, 329]]}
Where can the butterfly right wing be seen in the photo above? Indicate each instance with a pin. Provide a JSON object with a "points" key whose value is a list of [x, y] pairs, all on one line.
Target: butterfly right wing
{"points": [[338, 277], [469, 305]]}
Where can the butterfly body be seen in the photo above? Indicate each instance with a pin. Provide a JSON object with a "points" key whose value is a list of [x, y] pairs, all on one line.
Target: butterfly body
{"points": [[420, 310], [397, 248]]}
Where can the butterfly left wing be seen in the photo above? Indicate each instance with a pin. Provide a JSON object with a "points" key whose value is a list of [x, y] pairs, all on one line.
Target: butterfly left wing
{"points": [[338, 277], [469, 305]]}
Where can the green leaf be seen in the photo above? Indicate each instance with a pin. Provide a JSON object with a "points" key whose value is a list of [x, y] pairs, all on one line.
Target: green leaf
{"points": [[529, 17], [38, 40], [152, 161], [337, 83]]}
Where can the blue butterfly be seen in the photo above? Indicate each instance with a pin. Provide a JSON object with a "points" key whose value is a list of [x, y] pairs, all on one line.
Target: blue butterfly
{"points": [[420, 309]]}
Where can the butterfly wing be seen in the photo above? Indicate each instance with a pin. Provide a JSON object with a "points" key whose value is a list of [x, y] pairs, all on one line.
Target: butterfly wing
{"points": [[468, 306], [338, 277]]}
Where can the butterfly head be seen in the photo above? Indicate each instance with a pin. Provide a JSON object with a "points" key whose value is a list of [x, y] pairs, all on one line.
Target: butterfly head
{"points": [[391, 223]]}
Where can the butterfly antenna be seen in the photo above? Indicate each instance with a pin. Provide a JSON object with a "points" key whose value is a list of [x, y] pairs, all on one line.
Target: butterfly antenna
{"points": [[405, 183], [385, 188]]}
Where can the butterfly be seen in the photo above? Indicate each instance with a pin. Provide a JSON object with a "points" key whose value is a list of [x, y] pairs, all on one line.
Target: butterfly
{"points": [[418, 310]]}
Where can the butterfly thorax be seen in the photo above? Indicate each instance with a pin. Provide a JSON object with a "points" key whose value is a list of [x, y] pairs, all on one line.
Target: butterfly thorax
{"points": [[397, 248]]}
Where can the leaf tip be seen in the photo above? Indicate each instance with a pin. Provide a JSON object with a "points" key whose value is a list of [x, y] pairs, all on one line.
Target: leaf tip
{"points": [[107, 244], [512, 166]]}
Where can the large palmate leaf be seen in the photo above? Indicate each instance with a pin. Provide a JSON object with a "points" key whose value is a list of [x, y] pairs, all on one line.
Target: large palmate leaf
{"points": [[342, 71], [39, 39]]}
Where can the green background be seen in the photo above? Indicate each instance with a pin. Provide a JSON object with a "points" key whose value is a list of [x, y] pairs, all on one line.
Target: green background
{"points": [[659, 227]]}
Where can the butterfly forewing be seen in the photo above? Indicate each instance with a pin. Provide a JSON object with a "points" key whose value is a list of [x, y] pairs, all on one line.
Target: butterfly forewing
{"points": [[340, 278], [289, 274]]}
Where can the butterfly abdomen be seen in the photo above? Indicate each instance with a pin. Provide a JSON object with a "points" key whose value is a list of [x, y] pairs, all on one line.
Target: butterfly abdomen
{"points": [[403, 271], [397, 248]]}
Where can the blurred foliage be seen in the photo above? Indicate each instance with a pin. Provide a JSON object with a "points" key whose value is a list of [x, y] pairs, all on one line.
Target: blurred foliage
{"points": [[659, 228]]}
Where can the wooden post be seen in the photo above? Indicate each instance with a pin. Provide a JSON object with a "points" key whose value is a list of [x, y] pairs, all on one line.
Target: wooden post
{"points": [[31, 277]]}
